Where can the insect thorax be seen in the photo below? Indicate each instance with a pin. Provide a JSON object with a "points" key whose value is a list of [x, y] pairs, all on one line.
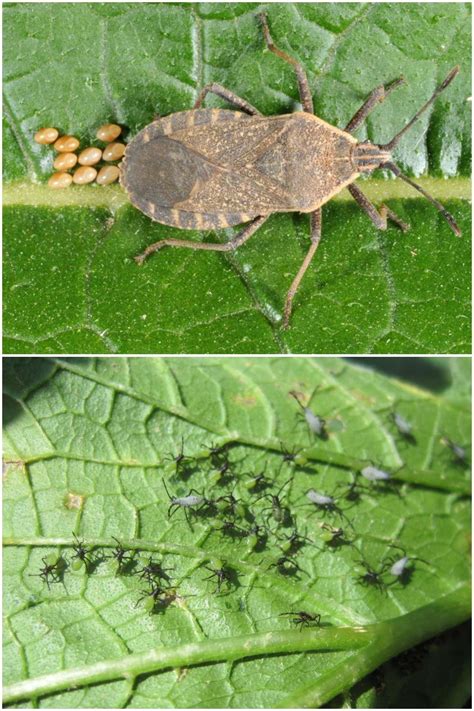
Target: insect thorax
{"points": [[314, 159], [367, 157]]}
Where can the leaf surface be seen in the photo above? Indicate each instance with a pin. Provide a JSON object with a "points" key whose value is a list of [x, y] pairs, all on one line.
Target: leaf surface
{"points": [[88, 446], [71, 284]]}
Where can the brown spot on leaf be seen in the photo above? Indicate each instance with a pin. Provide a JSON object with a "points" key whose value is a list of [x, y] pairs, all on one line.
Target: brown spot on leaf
{"points": [[109, 223], [74, 501], [13, 465], [363, 397], [246, 400], [181, 673], [300, 396]]}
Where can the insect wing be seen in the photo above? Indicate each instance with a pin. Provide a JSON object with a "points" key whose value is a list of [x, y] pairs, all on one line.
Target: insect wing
{"points": [[211, 168]]}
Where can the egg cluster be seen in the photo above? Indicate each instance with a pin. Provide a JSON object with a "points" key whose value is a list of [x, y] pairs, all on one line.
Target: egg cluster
{"points": [[90, 164]]}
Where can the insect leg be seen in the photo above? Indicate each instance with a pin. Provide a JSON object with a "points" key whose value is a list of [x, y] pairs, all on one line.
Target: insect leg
{"points": [[315, 237], [229, 96], [379, 218], [303, 84], [235, 242], [376, 96], [187, 519]]}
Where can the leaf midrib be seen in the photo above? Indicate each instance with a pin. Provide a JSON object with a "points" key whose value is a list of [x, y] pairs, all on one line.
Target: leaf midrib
{"points": [[113, 197], [428, 478], [376, 643]]}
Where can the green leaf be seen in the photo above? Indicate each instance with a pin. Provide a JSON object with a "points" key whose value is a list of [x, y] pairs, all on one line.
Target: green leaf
{"points": [[88, 445], [71, 284], [434, 674]]}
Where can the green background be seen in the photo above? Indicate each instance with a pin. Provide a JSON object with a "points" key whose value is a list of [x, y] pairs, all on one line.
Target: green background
{"points": [[71, 284], [87, 442]]}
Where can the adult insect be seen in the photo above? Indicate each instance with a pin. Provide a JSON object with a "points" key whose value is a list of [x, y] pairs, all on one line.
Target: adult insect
{"points": [[207, 169], [303, 619]]}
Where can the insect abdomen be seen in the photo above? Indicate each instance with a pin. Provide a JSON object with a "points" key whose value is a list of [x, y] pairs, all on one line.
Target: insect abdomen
{"points": [[159, 172]]}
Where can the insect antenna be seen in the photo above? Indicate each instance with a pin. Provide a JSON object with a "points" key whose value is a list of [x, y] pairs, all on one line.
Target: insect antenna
{"points": [[447, 215], [391, 144], [297, 397], [395, 140]]}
